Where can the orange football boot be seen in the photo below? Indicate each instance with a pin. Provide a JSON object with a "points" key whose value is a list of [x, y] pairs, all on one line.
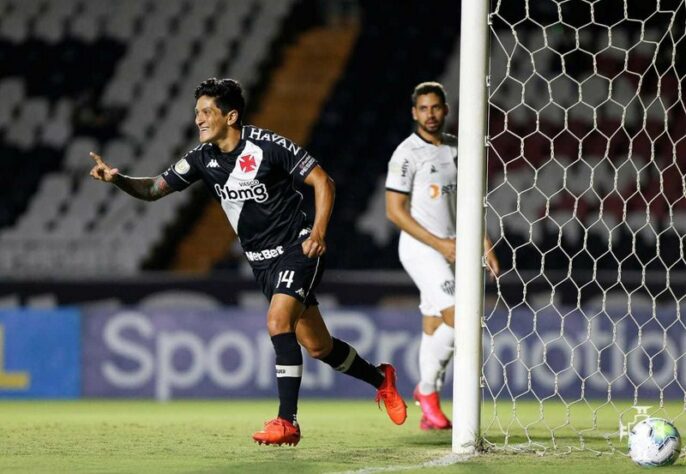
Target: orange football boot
{"points": [[394, 403], [277, 432]]}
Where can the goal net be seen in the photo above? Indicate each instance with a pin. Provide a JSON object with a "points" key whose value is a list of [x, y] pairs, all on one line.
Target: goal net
{"points": [[586, 205]]}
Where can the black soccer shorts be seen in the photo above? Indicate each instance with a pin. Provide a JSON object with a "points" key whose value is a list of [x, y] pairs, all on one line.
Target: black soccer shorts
{"points": [[287, 271]]}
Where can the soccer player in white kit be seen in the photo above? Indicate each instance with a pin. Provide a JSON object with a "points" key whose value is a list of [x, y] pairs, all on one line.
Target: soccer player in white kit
{"points": [[421, 190]]}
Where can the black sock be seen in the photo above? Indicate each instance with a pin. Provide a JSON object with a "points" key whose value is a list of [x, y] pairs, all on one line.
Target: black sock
{"points": [[344, 358], [289, 369]]}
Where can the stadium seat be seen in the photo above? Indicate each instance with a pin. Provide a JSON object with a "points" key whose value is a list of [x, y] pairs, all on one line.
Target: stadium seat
{"points": [[58, 128], [12, 91], [50, 26], [134, 106], [77, 159], [23, 131]]}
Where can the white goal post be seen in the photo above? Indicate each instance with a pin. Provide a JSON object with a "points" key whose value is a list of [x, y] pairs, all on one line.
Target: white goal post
{"points": [[576, 109], [470, 215]]}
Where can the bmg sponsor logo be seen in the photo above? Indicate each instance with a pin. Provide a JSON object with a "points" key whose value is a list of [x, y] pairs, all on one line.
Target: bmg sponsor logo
{"points": [[257, 192]]}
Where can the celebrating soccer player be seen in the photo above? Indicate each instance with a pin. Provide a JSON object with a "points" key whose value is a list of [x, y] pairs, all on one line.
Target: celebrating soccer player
{"points": [[251, 172], [421, 190]]}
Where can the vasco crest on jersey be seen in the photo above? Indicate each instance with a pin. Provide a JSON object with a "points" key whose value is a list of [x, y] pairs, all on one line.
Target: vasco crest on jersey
{"points": [[247, 163]]}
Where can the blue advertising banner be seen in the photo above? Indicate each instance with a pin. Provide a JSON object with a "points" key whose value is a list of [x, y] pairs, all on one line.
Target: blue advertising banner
{"points": [[40, 354], [165, 354], [552, 352], [625, 352]]}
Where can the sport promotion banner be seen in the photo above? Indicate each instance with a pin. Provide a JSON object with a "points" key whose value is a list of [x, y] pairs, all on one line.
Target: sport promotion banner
{"points": [[164, 354], [204, 354]]}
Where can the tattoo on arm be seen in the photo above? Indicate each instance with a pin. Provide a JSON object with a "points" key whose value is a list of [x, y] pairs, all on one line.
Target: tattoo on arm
{"points": [[160, 188], [148, 189]]}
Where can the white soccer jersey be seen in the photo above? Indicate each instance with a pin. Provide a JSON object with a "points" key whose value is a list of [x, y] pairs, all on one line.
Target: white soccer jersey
{"points": [[428, 173]]}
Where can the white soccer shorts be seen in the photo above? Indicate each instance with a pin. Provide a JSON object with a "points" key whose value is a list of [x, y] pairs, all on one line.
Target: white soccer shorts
{"points": [[431, 272]]}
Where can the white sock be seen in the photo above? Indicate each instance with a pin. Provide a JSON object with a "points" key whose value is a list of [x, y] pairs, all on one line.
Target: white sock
{"points": [[435, 352], [427, 365], [447, 338]]}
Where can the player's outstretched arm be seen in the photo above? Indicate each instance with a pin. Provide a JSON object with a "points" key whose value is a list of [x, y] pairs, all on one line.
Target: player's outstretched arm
{"points": [[148, 189], [324, 194]]}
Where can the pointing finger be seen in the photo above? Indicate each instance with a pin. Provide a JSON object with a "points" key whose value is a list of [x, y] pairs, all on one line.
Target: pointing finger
{"points": [[97, 158]]}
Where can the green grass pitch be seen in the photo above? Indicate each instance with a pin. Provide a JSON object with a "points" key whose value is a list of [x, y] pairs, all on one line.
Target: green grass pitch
{"points": [[214, 436]]}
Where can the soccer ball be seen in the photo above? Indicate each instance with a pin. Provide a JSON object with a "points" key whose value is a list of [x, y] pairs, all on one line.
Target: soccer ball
{"points": [[654, 442]]}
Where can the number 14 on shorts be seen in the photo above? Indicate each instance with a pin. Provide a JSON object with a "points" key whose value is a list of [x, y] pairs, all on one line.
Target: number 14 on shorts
{"points": [[286, 277]]}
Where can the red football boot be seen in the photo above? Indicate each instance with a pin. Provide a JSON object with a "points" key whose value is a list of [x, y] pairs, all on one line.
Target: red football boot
{"points": [[426, 425], [278, 431], [394, 403], [432, 415]]}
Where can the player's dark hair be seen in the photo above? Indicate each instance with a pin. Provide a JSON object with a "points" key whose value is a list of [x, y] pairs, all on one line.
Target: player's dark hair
{"points": [[429, 88], [227, 94]]}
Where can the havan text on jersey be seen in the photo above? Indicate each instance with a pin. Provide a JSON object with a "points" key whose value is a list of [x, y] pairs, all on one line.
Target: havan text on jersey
{"points": [[254, 184], [254, 133]]}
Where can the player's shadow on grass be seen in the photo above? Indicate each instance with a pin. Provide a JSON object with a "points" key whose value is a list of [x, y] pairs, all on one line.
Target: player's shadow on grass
{"points": [[444, 438], [562, 443], [430, 438], [257, 467]]}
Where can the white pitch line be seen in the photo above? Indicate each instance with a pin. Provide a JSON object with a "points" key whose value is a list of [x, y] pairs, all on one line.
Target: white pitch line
{"points": [[440, 462]]}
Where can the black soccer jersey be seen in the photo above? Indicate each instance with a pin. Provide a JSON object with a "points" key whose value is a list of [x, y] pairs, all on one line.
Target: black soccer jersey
{"points": [[255, 186]]}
